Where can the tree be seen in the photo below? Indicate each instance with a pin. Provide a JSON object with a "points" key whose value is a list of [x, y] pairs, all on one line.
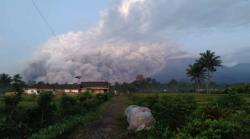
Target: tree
{"points": [[5, 79], [196, 73], [18, 84], [172, 85], [45, 107], [210, 62], [5, 82]]}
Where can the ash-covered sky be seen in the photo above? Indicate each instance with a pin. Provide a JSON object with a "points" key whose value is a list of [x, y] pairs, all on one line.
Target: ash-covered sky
{"points": [[117, 39]]}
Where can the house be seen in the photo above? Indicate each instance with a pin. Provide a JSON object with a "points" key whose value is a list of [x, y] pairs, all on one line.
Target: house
{"points": [[72, 88], [38, 88], [95, 87], [91, 87]]}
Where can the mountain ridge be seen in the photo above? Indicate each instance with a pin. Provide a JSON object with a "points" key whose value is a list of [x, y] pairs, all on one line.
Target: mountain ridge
{"points": [[176, 69]]}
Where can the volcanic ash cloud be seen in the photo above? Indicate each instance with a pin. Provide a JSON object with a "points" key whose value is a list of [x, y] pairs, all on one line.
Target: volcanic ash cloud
{"points": [[114, 61], [117, 49]]}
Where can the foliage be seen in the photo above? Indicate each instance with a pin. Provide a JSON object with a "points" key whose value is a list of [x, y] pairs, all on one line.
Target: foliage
{"points": [[47, 113], [68, 105], [213, 129], [196, 73], [231, 101], [239, 88], [11, 102], [59, 129], [45, 108], [207, 63], [17, 84], [84, 96], [11, 83], [5, 82], [180, 117], [169, 111]]}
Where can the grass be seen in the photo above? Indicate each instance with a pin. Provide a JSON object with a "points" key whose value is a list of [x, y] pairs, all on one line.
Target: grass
{"points": [[68, 125], [29, 101], [201, 99]]}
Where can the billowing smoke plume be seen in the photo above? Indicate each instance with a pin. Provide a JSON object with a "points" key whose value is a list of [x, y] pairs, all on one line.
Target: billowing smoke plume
{"points": [[110, 61], [116, 50], [132, 37]]}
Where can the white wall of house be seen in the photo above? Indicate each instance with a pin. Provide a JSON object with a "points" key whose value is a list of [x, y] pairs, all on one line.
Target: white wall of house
{"points": [[84, 90], [71, 91], [98, 91], [31, 91]]}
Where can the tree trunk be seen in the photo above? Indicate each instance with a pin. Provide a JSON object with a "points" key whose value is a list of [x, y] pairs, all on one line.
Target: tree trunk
{"points": [[208, 80], [198, 85]]}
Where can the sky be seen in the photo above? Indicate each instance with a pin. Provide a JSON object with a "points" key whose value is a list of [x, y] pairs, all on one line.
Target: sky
{"points": [[22, 30], [92, 36]]}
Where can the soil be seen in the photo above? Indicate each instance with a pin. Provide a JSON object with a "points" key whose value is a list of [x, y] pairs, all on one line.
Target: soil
{"points": [[111, 124]]}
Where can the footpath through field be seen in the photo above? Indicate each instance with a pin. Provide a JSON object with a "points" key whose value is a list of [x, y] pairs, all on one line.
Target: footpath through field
{"points": [[109, 126]]}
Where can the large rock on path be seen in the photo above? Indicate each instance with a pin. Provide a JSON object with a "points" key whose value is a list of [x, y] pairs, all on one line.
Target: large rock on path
{"points": [[139, 118]]}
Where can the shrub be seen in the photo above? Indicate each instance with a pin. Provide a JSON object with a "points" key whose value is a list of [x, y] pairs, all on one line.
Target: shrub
{"points": [[103, 97], [230, 101], [68, 105], [239, 88], [213, 112], [171, 112], [45, 108], [11, 102], [57, 130], [213, 129], [174, 112], [84, 96]]}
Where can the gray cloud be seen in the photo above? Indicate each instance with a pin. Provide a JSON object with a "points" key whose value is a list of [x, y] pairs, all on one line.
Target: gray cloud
{"points": [[238, 56], [132, 37]]}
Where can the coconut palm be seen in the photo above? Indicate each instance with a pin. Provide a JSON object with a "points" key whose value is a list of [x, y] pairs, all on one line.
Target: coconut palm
{"points": [[196, 73], [210, 62]]}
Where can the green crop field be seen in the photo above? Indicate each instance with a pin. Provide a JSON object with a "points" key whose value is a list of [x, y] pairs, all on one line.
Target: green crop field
{"points": [[192, 115], [31, 115], [199, 98]]}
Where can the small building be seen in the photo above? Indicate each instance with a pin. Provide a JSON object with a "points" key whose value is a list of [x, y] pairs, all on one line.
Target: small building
{"points": [[72, 88], [91, 87], [38, 88], [95, 87]]}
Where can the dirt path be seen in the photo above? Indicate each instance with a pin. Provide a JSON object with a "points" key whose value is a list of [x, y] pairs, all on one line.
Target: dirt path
{"points": [[109, 126]]}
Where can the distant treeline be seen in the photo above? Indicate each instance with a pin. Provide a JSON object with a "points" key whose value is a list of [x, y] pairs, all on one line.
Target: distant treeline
{"points": [[151, 85], [140, 84], [11, 83]]}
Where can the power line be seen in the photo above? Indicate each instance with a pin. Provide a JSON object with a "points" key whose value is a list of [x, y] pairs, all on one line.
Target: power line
{"points": [[43, 18]]}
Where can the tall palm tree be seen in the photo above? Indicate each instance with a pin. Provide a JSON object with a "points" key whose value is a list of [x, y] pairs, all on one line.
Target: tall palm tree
{"points": [[210, 62], [197, 73]]}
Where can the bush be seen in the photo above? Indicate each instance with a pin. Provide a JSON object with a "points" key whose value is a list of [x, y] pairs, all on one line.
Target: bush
{"points": [[239, 88], [84, 96], [103, 97], [46, 108], [213, 129], [57, 130], [174, 112], [171, 112], [11, 102], [68, 105], [213, 112], [231, 101]]}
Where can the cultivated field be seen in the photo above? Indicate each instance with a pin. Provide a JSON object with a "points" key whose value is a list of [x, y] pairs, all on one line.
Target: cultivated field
{"points": [[201, 99], [216, 116], [178, 115]]}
